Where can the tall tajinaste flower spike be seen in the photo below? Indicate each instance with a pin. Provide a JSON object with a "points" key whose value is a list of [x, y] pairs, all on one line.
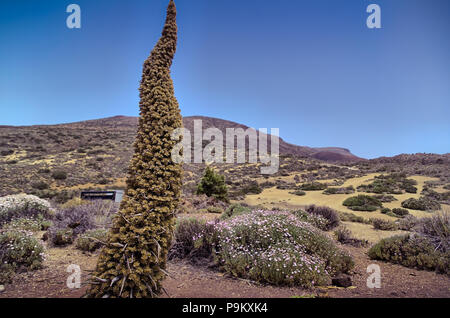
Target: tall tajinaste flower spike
{"points": [[134, 261]]}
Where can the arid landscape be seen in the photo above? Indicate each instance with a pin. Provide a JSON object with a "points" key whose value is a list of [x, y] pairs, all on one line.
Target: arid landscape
{"points": [[56, 163]]}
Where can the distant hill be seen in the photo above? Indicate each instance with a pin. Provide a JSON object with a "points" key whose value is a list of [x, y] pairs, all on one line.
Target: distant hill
{"points": [[329, 154]]}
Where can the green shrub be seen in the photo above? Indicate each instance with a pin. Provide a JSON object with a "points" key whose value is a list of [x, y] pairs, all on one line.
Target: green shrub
{"points": [[213, 185], [362, 203], [192, 240], [407, 223], [400, 212], [298, 192], [344, 236], [23, 206], [62, 237], [92, 240], [214, 209], [385, 210], [276, 247], [411, 251], [329, 214], [423, 204], [59, 175], [24, 224], [233, 210], [313, 186], [317, 221], [251, 188], [393, 183], [18, 251], [346, 190], [384, 225], [40, 185], [436, 229], [350, 217]]}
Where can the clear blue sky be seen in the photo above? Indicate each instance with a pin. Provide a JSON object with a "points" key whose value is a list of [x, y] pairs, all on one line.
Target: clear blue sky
{"points": [[309, 67]]}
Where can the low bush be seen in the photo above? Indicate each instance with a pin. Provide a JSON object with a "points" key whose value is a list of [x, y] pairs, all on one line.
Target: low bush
{"points": [[71, 222], [19, 251], [362, 203], [407, 223], [411, 250], [276, 247], [233, 210], [317, 221], [385, 198], [329, 214], [346, 190], [423, 204], [344, 236], [215, 210], [298, 193], [192, 240], [386, 210], [313, 186], [400, 212], [393, 183], [23, 206], [350, 217], [40, 185], [251, 188], [61, 236], [24, 224], [91, 240], [213, 185], [436, 229], [59, 175], [384, 225]]}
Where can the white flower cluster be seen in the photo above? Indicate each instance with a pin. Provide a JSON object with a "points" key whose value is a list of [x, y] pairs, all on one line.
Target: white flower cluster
{"points": [[19, 205]]}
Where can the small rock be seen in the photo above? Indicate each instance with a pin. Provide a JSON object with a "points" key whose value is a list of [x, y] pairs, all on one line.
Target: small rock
{"points": [[342, 281], [2, 288]]}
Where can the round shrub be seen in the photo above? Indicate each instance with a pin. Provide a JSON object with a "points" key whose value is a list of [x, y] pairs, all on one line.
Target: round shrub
{"points": [[92, 240], [385, 210], [362, 203], [411, 251], [233, 210], [299, 193], [317, 221], [400, 212], [313, 186], [329, 214], [40, 185], [276, 247], [71, 222], [384, 225], [407, 223], [346, 190], [59, 175], [423, 204], [192, 240], [23, 205]]}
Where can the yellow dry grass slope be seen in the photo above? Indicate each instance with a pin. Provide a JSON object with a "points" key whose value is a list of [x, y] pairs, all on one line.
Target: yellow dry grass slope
{"points": [[282, 198]]}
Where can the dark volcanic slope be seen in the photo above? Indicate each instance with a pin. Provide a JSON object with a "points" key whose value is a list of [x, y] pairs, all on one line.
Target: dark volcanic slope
{"points": [[331, 154]]}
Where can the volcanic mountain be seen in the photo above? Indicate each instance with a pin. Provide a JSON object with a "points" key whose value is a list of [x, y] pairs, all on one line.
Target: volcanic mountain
{"points": [[329, 154]]}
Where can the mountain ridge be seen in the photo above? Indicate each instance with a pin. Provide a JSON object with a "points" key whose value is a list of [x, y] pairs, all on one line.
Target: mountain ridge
{"points": [[330, 154]]}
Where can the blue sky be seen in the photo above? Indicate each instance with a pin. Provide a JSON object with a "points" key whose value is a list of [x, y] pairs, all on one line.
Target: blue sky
{"points": [[309, 67]]}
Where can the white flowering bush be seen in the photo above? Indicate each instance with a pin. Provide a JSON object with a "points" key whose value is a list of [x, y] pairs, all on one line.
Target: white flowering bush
{"points": [[23, 205], [19, 250], [276, 247]]}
